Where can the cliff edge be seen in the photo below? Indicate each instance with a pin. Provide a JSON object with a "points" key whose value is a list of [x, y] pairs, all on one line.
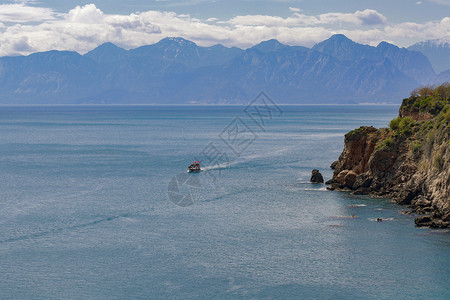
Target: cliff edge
{"points": [[409, 162]]}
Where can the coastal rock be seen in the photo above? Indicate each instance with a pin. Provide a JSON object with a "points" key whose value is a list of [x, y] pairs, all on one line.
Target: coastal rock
{"points": [[421, 201], [431, 221], [340, 178], [423, 221], [408, 162], [350, 179], [334, 164], [316, 177], [361, 191], [446, 218], [359, 145], [416, 114], [421, 205], [363, 181]]}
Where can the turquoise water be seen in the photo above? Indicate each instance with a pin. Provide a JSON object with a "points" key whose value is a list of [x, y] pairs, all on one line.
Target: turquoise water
{"points": [[85, 210]]}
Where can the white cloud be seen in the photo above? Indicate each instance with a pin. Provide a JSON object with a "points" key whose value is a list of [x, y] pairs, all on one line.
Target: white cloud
{"points": [[22, 13], [429, 30], [84, 27], [294, 9], [81, 29], [364, 17], [419, 2], [86, 14]]}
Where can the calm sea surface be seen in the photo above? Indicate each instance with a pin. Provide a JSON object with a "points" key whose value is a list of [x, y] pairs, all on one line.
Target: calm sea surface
{"points": [[88, 208]]}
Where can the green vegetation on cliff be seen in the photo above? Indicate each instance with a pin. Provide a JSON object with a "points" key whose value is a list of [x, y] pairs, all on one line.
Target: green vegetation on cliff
{"points": [[428, 100], [422, 116]]}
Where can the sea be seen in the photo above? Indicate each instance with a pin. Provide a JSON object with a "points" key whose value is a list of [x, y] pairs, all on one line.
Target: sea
{"points": [[96, 203]]}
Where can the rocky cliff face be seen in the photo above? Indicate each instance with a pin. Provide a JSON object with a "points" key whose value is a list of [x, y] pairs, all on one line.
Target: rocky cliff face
{"points": [[408, 162]]}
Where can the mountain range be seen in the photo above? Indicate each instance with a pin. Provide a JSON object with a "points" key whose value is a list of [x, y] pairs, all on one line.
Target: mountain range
{"points": [[177, 71]]}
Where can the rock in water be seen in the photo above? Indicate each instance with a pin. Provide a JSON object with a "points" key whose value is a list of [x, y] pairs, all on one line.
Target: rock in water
{"points": [[316, 177]]}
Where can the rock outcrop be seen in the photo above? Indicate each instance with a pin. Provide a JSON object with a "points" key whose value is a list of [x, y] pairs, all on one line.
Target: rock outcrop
{"points": [[408, 162], [334, 164], [316, 177]]}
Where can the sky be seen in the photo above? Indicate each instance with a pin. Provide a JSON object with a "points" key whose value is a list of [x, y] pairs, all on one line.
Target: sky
{"points": [[28, 26]]}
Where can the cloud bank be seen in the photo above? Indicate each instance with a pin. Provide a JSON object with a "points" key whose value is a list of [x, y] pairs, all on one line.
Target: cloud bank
{"points": [[25, 28], [22, 13], [366, 17]]}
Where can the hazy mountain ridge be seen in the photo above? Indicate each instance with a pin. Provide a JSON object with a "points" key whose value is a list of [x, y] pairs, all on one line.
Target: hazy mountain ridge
{"points": [[176, 70], [412, 63], [437, 51]]}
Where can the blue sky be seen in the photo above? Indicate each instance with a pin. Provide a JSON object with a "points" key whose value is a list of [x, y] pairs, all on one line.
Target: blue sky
{"points": [[38, 25]]}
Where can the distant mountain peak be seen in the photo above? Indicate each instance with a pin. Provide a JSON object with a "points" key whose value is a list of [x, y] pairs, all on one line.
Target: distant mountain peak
{"points": [[385, 45], [106, 52], [339, 37], [272, 42], [269, 46], [217, 46], [341, 47], [177, 40], [437, 51], [221, 47], [435, 43], [336, 41], [108, 45], [55, 53]]}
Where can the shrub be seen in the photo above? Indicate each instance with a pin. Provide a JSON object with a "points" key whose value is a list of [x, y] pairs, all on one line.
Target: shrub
{"points": [[443, 91], [402, 125], [415, 147], [389, 142], [428, 99], [354, 133], [425, 91], [423, 166], [384, 143], [407, 131], [438, 162], [405, 123], [394, 124], [429, 141], [447, 116]]}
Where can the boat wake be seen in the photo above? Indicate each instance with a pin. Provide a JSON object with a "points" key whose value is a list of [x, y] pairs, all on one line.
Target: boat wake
{"points": [[318, 189], [382, 219], [217, 167], [246, 159]]}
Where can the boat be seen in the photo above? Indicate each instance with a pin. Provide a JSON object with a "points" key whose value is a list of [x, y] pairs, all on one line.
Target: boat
{"points": [[195, 167]]}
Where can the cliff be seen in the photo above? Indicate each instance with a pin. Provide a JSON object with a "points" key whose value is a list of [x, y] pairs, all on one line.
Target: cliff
{"points": [[409, 162]]}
